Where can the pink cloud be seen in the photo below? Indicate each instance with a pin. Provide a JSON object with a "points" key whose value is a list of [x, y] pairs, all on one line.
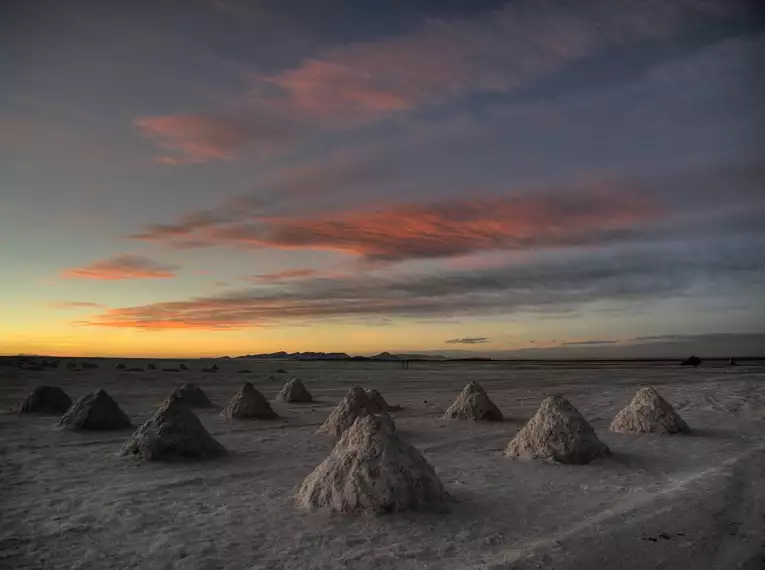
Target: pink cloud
{"points": [[122, 267], [447, 228]]}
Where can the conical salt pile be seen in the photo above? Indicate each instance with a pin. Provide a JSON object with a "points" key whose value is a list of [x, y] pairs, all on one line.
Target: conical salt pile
{"points": [[648, 412], [355, 404], [473, 404], [295, 391], [45, 400], [249, 404], [173, 432], [192, 395], [377, 399], [557, 432], [95, 411], [372, 470]]}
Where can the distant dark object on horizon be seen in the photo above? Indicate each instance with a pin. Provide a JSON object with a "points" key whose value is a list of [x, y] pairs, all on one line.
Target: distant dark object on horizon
{"points": [[732, 362], [121, 366], [183, 367], [692, 361], [281, 371], [170, 370], [151, 366], [244, 371], [211, 368]]}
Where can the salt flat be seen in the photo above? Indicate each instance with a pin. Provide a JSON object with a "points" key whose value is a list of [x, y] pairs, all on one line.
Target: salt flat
{"points": [[696, 501]]}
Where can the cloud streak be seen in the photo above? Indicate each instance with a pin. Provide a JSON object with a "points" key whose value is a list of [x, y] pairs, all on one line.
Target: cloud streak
{"points": [[468, 340], [556, 287], [438, 229], [76, 305], [122, 267]]}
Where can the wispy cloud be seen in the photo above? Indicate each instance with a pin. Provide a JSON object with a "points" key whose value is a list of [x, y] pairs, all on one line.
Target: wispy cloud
{"points": [[497, 51], [439, 229], [554, 287], [189, 139], [75, 305], [286, 275], [121, 267], [588, 342], [441, 61], [468, 340]]}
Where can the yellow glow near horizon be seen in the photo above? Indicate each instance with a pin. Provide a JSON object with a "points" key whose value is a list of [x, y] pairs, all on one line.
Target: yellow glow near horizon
{"points": [[335, 337]]}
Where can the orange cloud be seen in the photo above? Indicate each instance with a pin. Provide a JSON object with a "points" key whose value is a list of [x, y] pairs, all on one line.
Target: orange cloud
{"points": [[442, 229], [125, 266]]}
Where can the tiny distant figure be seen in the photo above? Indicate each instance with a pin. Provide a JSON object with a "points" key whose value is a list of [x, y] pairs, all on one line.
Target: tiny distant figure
{"points": [[732, 362], [692, 361], [404, 364]]}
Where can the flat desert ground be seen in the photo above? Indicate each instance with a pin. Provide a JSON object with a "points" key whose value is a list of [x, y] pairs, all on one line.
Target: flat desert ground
{"points": [[68, 500]]}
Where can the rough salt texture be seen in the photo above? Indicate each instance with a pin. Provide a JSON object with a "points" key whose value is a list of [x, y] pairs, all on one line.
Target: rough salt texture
{"points": [[354, 405], [249, 403], [295, 391], [45, 400], [191, 395], [377, 399], [95, 411], [473, 404], [372, 470], [174, 432], [648, 412], [557, 432]]}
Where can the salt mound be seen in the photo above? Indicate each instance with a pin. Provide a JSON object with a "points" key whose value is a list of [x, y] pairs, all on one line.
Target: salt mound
{"points": [[192, 395], [121, 366], [473, 404], [371, 469], [557, 432], [95, 411], [151, 366], [249, 404], [173, 432], [183, 366], [648, 412], [354, 405], [377, 399], [211, 368], [294, 391], [45, 400]]}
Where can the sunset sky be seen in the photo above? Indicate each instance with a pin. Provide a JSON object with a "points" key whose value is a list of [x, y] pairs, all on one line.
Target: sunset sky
{"points": [[532, 177]]}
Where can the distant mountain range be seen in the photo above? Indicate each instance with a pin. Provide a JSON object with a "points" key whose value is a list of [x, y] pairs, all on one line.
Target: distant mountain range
{"points": [[282, 355]]}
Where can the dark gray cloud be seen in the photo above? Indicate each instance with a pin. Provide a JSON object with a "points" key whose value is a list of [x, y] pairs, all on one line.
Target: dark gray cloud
{"points": [[468, 340], [550, 286], [589, 342]]}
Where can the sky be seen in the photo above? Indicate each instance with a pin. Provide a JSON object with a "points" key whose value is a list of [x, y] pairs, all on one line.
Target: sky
{"points": [[524, 178]]}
